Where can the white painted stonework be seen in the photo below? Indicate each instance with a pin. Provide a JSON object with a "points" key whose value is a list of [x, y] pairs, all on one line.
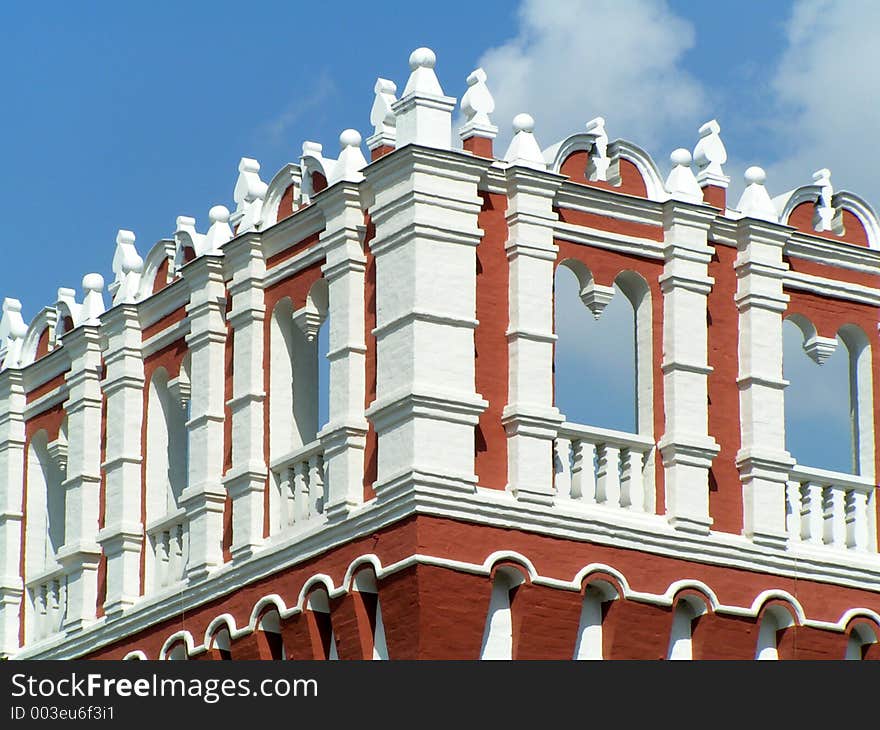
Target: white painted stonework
{"points": [[140, 468]]}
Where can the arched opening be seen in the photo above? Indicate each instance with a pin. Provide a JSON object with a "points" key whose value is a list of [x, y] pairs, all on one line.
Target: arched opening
{"points": [[167, 475], [45, 505], [498, 630], [829, 384], [589, 644], [774, 619], [270, 638], [320, 625], [685, 615], [862, 637], [371, 626], [221, 644]]}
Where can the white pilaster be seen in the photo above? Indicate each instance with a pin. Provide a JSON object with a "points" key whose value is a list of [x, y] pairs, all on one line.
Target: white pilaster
{"points": [[344, 436], [686, 448], [426, 408], [246, 480], [80, 553], [530, 418], [123, 385], [12, 441], [204, 495], [763, 460]]}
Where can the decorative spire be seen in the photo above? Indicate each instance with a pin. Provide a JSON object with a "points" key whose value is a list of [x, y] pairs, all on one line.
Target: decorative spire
{"points": [[681, 183], [710, 155], [382, 115], [219, 231], [93, 299], [477, 104], [127, 268], [424, 114], [249, 193], [524, 149], [755, 202], [597, 167], [351, 160], [12, 333]]}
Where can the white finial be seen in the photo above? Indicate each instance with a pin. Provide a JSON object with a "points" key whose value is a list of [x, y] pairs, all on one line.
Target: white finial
{"points": [[597, 168], [825, 217], [710, 154], [477, 104], [12, 333], [524, 149], [382, 115], [312, 149], [127, 268], [249, 193], [93, 298], [755, 201], [422, 79], [219, 231], [351, 160], [681, 183], [423, 113]]}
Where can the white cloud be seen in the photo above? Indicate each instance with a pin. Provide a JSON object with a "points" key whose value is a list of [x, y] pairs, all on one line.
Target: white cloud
{"points": [[275, 130], [572, 61], [828, 88]]}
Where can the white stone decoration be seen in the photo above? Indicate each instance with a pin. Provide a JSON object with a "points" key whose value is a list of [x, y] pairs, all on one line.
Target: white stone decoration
{"points": [[424, 112], [127, 268], [597, 167], [596, 297], [351, 160], [477, 104], [524, 150], [309, 319], [12, 333], [825, 217], [249, 194], [755, 201], [710, 156], [382, 115], [186, 236], [220, 231], [66, 306], [93, 299], [681, 183]]}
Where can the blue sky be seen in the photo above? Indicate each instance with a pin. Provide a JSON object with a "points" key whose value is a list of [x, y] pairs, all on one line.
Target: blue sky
{"points": [[124, 115]]}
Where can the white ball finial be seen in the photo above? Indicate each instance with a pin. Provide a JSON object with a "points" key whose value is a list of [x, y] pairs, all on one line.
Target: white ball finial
{"points": [[93, 282], [422, 57], [523, 123], [218, 214], [755, 174], [680, 157], [350, 138]]}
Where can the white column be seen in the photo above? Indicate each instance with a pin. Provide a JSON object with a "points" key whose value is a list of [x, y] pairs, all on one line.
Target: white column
{"points": [[80, 553], [344, 436], [530, 418], [763, 460], [426, 408], [686, 447], [122, 535], [204, 495], [12, 441], [246, 480]]}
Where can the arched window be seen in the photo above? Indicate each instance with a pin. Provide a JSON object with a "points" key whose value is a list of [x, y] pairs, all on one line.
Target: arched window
{"points": [[298, 406], [829, 384], [774, 619], [498, 631], [167, 467], [320, 625], [271, 641], [589, 644], [45, 503], [862, 636], [365, 591]]}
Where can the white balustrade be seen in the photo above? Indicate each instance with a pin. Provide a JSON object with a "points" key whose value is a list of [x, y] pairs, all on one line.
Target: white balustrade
{"points": [[603, 466], [169, 542], [48, 596], [832, 509], [300, 479]]}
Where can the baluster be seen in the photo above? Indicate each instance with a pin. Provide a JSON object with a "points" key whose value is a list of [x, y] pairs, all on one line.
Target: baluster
{"points": [[177, 552], [576, 451], [793, 519], [608, 475], [587, 472], [300, 491], [812, 513], [41, 609], [856, 503], [833, 512], [316, 483], [62, 603], [632, 485], [288, 497], [562, 472], [164, 557]]}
